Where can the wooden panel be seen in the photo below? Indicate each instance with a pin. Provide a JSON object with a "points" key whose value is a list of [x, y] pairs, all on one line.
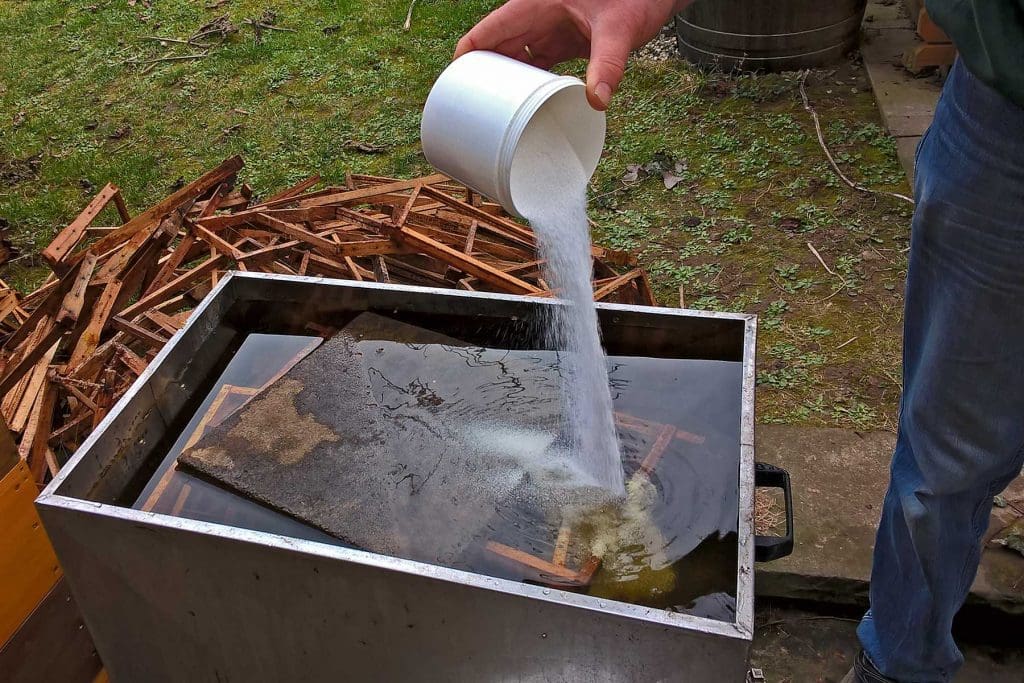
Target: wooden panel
{"points": [[28, 566]]}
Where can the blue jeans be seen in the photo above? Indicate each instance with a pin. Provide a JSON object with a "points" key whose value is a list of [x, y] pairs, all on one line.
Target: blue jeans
{"points": [[961, 427]]}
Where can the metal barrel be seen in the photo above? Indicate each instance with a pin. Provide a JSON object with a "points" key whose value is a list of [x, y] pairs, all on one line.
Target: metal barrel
{"points": [[768, 35]]}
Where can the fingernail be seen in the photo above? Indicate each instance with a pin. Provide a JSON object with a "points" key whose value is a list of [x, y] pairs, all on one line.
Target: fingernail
{"points": [[603, 91]]}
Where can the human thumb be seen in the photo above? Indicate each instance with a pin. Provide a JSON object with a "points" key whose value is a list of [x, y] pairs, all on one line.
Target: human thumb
{"points": [[609, 49]]}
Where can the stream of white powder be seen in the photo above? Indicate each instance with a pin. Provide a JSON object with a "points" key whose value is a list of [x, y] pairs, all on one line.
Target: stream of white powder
{"points": [[552, 195]]}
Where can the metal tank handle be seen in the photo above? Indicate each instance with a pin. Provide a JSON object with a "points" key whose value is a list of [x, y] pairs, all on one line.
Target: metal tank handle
{"points": [[768, 548]]}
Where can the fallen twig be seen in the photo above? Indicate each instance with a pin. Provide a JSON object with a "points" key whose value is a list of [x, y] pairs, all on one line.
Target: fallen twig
{"points": [[189, 41], [821, 260], [847, 342], [173, 58], [408, 17], [828, 154]]}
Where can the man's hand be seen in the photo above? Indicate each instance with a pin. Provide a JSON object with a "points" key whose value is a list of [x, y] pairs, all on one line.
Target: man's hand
{"points": [[547, 32]]}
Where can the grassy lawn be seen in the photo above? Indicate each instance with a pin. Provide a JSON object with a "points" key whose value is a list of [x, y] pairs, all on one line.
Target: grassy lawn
{"points": [[80, 107]]}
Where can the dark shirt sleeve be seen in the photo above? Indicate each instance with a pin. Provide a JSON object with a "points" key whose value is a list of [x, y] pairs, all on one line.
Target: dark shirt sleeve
{"points": [[989, 35]]}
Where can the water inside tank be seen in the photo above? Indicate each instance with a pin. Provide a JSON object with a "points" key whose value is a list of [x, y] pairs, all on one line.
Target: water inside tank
{"points": [[500, 498]]}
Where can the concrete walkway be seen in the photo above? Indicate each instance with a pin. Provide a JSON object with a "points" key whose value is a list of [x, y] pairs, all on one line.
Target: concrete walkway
{"points": [[839, 478], [906, 102]]}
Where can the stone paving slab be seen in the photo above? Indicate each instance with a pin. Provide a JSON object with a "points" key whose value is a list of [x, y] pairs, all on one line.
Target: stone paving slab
{"points": [[839, 479], [906, 102]]}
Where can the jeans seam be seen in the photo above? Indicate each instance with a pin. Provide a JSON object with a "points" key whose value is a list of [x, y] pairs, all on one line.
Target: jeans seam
{"points": [[990, 493], [920, 146]]}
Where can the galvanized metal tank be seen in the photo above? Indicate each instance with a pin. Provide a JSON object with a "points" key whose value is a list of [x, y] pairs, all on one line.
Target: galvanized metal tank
{"points": [[168, 598]]}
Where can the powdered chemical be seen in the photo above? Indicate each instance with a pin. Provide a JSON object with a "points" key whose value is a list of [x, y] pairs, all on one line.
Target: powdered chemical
{"points": [[552, 196]]}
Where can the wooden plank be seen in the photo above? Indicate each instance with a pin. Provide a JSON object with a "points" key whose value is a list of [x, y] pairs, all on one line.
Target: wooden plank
{"points": [[384, 247], [27, 561], [562, 545], [122, 208], [237, 220], [321, 265], [296, 232], [646, 291], [72, 430], [71, 307], [354, 268], [119, 262], [296, 189], [47, 307], [133, 362], [91, 366], [29, 358], [470, 236], [65, 242], [543, 567], [217, 242], [465, 209], [380, 270], [466, 263], [37, 461], [401, 214], [106, 396], [362, 194], [177, 257], [615, 284], [141, 333], [268, 253], [190, 192], [135, 276], [658, 448], [11, 407], [175, 286], [478, 244], [89, 340], [72, 387], [587, 571], [181, 253], [162, 321], [30, 426], [35, 382]]}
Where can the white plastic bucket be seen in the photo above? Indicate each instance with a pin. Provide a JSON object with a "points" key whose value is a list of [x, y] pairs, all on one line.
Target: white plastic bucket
{"points": [[479, 109]]}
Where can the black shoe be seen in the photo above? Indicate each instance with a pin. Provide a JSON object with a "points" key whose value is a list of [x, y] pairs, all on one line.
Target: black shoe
{"points": [[864, 671]]}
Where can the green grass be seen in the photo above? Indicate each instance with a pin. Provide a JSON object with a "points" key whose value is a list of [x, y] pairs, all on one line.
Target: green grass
{"points": [[732, 234]]}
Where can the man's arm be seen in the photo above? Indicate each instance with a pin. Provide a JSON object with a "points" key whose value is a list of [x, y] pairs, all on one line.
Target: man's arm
{"points": [[547, 32]]}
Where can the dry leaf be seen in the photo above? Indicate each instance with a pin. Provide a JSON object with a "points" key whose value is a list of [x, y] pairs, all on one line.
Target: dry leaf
{"points": [[364, 147], [632, 173], [670, 179]]}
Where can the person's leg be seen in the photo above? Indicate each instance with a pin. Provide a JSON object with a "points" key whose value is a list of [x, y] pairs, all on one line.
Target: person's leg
{"points": [[961, 430]]}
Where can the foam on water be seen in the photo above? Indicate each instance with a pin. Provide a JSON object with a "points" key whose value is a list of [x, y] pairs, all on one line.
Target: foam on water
{"points": [[553, 197]]}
